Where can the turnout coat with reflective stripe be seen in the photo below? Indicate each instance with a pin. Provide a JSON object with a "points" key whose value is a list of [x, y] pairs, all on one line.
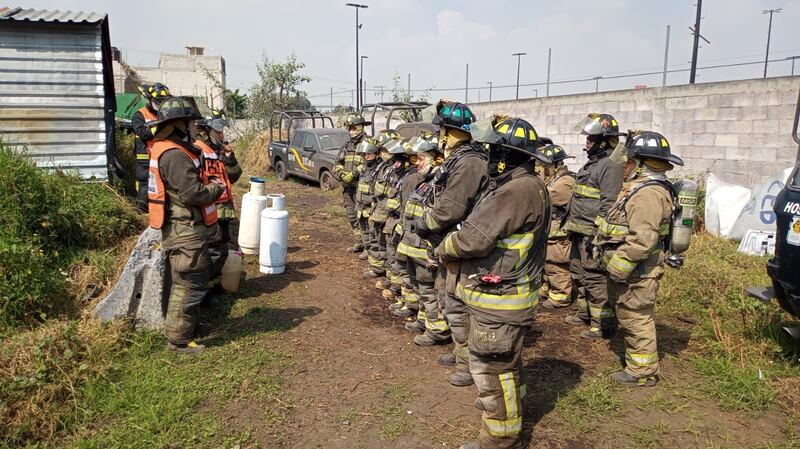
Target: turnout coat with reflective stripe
{"points": [[560, 188], [349, 162], [504, 235], [412, 245], [181, 193], [397, 198], [597, 184], [631, 234]]}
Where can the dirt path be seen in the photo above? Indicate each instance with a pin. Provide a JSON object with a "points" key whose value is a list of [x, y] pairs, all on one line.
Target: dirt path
{"points": [[356, 380]]}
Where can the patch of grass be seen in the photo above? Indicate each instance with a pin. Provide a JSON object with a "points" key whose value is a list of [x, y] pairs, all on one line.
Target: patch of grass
{"points": [[586, 406], [393, 414], [735, 388], [155, 399], [649, 437], [657, 401]]}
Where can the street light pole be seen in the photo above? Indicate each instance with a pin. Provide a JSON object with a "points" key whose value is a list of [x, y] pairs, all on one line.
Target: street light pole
{"points": [[536, 93], [597, 83], [466, 87], [363, 83], [490, 85], [549, 57], [769, 34], [519, 57], [358, 79]]}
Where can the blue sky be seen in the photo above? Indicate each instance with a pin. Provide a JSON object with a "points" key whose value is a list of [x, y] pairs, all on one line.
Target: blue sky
{"points": [[433, 40]]}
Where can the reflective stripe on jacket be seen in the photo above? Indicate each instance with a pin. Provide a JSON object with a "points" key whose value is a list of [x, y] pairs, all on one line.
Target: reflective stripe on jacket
{"points": [[597, 184], [631, 234]]}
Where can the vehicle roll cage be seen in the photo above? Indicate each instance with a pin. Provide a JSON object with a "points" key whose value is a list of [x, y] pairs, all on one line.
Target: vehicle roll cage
{"points": [[414, 107], [293, 117]]}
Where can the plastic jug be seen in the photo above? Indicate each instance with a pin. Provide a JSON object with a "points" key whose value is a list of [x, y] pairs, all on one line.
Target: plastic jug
{"points": [[253, 203], [274, 236], [232, 271]]}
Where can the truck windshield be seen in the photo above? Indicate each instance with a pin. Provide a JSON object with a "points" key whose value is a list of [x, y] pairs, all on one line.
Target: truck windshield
{"points": [[329, 141]]}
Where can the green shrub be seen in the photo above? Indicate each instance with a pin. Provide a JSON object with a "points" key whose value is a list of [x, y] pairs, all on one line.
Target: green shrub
{"points": [[48, 221]]}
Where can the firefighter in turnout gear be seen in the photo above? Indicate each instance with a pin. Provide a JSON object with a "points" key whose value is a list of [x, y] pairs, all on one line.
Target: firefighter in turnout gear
{"points": [[348, 169], [143, 132], [597, 184], [220, 162], [418, 252], [500, 251], [391, 286], [421, 263], [632, 240], [455, 188], [557, 283], [368, 151], [384, 179], [181, 199]]}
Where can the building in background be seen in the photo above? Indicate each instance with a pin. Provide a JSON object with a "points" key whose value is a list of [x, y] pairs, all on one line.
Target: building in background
{"points": [[57, 97], [193, 74]]}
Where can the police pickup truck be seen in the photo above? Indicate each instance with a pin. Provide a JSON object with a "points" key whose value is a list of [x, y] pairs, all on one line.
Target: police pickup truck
{"points": [[311, 152]]}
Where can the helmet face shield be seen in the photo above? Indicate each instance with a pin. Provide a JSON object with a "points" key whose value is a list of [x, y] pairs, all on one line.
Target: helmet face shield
{"points": [[596, 124], [367, 146], [395, 147]]}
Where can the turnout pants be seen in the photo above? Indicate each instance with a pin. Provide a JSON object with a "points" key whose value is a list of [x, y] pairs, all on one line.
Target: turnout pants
{"points": [[435, 325], [188, 263], [376, 250], [349, 202], [496, 367], [588, 276], [141, 175], [557, 280], [457, 315], [634, 304]]}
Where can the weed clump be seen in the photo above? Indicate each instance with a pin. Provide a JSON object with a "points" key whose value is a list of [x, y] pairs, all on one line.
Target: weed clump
{"points": [[48, 222]]}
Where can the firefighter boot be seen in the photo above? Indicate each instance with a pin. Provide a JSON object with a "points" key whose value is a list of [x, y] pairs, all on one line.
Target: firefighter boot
{"points": [[448, 359], [382, 284], [595, 333], [190, 348], [357, 248], [576, 320], [388, 294], [623, 378], [399, 304], [427, 340], [363, 255], [461, 379], [403, 312], [415, 327]]}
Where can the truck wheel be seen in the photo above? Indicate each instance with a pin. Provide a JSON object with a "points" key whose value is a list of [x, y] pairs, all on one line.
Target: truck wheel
{"points": [[326, 181], [280, 170]]}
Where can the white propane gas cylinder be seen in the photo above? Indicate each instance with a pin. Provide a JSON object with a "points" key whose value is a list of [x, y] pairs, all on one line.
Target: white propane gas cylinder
{"points": [[253, 203], [232, 271], [274, 236]]}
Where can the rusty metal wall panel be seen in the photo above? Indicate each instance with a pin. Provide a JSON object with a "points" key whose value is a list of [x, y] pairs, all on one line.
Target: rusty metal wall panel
{"points": [[52, 97]]}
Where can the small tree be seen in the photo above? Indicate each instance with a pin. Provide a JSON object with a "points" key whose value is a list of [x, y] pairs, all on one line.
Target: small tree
{"points": [[279, 87], [401, 95], [235, 103]]}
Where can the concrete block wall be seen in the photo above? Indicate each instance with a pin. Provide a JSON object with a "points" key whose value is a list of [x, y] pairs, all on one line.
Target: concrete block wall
{"points": [[738, 130]]}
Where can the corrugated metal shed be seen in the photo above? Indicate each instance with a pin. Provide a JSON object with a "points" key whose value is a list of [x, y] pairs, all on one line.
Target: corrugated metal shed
{"points": [[57, 88]]}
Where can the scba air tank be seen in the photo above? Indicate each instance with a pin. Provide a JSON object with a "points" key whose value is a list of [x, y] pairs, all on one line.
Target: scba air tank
{"points": [[274, 236], [253, 203], [682, 221]]}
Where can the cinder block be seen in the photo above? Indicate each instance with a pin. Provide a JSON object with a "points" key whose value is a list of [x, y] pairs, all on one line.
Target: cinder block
{"points": [[703, 139], [709, 152], [567, 109], [781, 112], [681, 139], [768, 99], [737, 154], [726, 140], [762, 154], [706, 114], [729, 114], [742, 100], [644, 106], [754, 113], [720, 101], [625, 106], [766, 126]]}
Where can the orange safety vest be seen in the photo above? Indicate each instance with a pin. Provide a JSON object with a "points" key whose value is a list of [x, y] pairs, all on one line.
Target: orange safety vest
{"points": [[157, 192], [214, 167], [148, 117]]}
